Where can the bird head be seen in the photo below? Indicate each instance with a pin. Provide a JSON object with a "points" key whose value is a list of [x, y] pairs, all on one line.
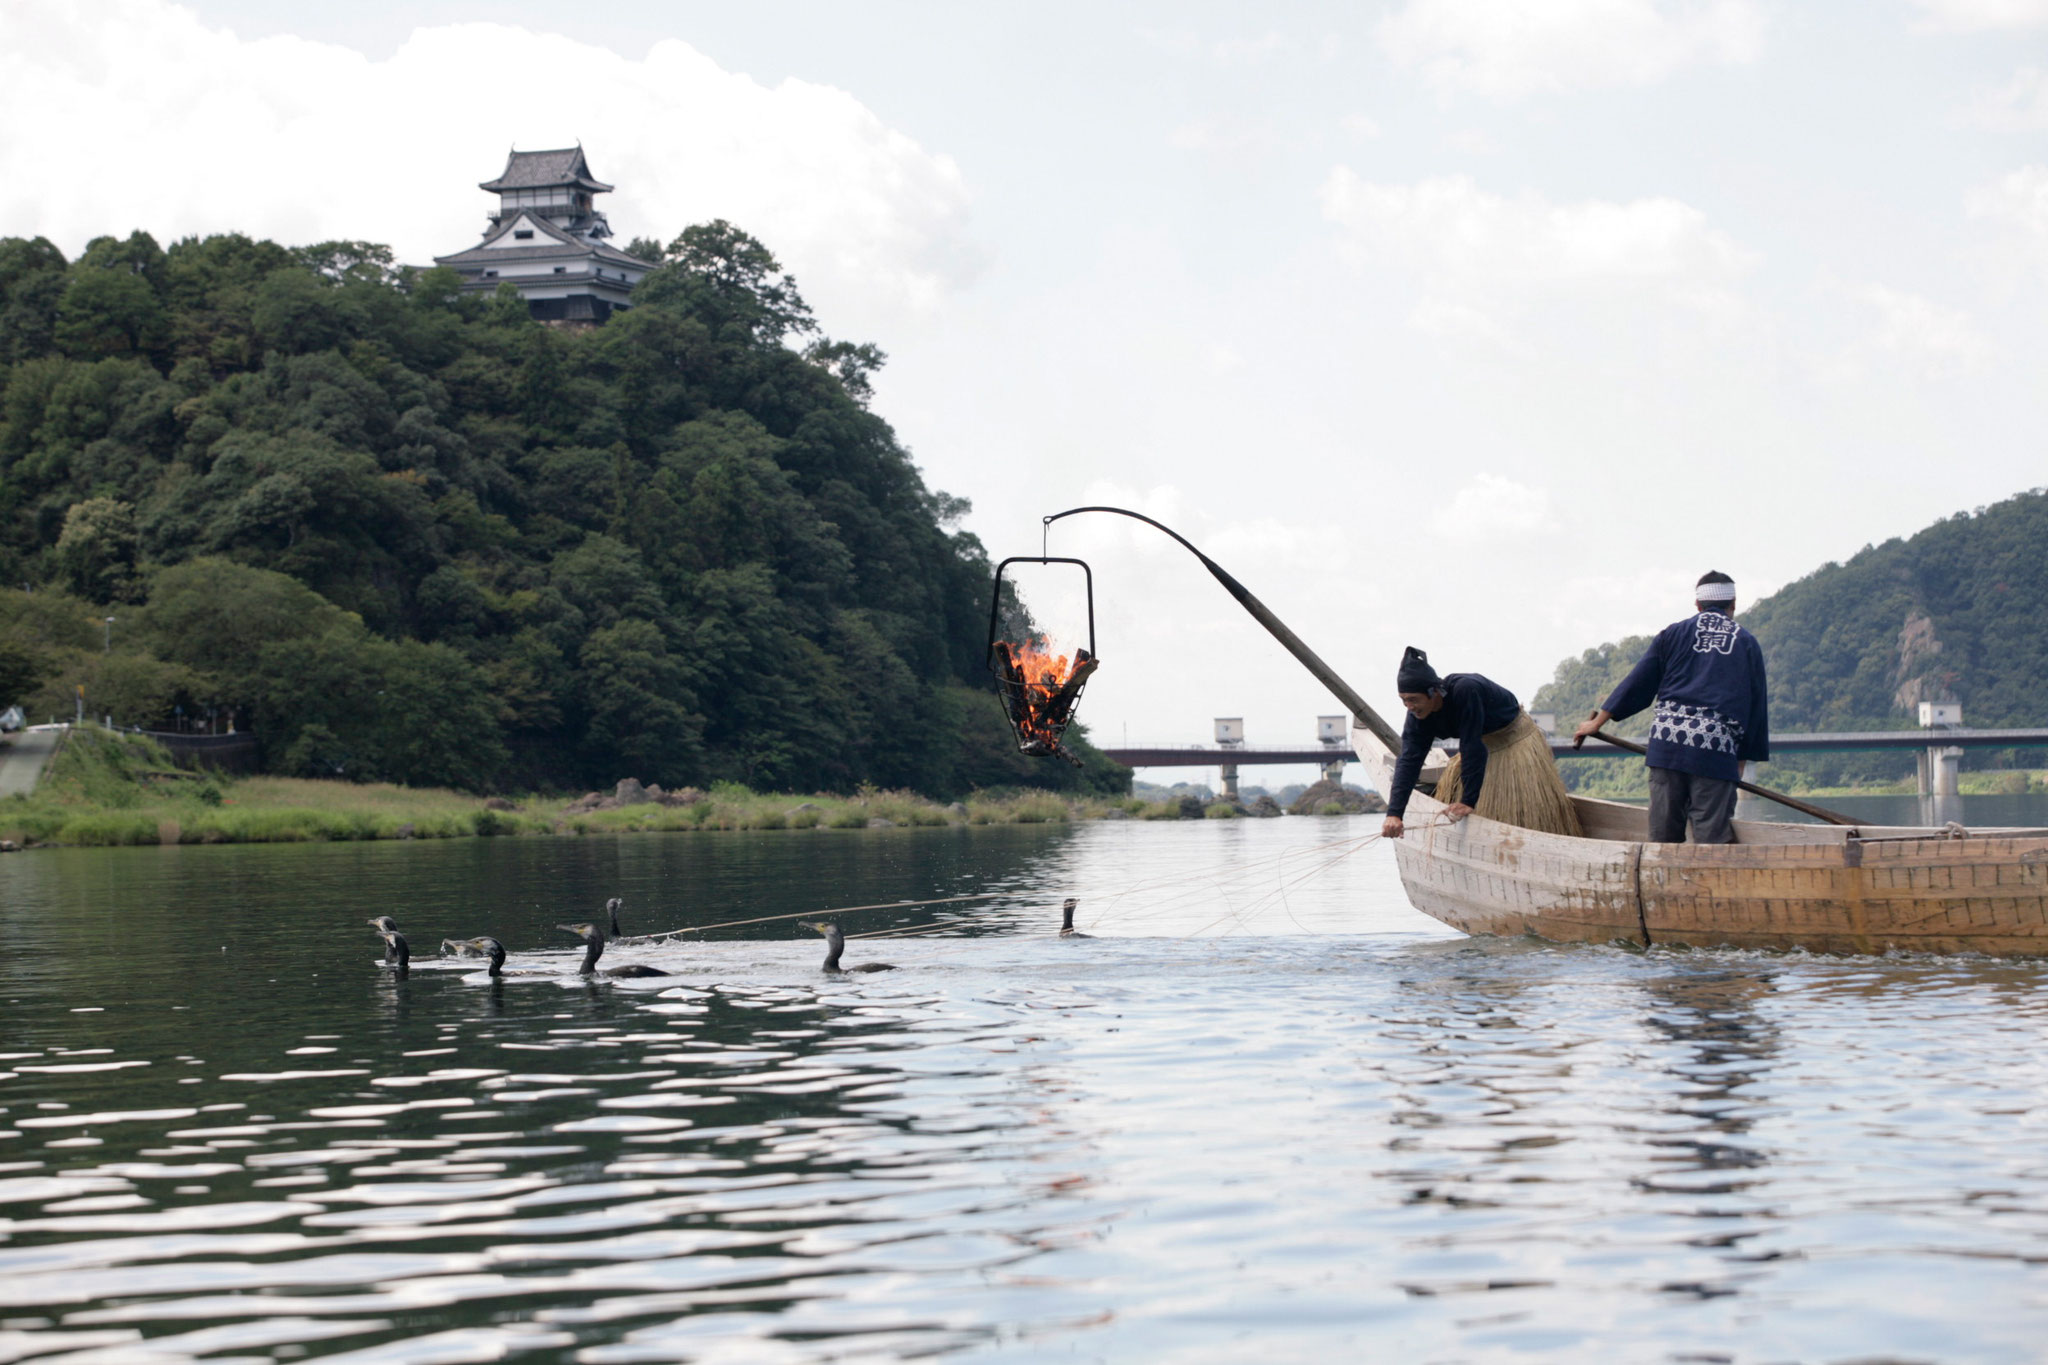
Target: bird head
{"points": [[824, 926], [589, 933], [384, 924]]}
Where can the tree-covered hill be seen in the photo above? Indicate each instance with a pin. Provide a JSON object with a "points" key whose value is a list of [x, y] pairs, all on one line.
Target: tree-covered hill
{"points": [[1957, 612], [407, 533]]}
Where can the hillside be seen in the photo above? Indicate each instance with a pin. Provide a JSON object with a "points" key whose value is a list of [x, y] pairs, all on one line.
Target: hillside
{"points": [[404, 533], [1957, 612]]}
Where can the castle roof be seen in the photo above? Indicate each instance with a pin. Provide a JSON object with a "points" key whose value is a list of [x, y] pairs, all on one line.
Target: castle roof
{"points": [[556, 244], [538, 170]]}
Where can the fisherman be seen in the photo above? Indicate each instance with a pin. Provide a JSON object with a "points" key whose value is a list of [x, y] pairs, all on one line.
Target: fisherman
{"points": [[1503, 768], [1706, 675]]}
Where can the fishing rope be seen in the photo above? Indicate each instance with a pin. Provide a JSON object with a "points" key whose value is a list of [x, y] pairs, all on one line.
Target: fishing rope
{"points": [[1281, 890], [1224, 885], [908, 904]]}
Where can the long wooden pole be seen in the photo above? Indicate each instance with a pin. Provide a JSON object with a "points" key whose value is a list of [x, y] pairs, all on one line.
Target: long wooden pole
{"points": [[1817, 812], [1327, 676]]}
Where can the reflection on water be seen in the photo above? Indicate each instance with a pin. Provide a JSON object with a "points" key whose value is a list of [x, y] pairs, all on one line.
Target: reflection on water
{"points": [[1268, 1109]]}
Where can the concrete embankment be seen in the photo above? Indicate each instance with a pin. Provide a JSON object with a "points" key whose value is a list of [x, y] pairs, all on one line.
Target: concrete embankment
{"points": [[22, 758]]}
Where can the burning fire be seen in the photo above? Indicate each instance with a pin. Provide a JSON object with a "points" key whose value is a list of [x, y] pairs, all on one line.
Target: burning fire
{"points": [[1040, 689]]}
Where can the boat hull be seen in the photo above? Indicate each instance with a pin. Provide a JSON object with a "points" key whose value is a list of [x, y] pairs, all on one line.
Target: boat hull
{"points": [[1783, 886]]}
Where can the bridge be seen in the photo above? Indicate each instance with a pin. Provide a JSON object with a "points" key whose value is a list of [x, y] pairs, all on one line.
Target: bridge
{"points": [[1939, 749]]}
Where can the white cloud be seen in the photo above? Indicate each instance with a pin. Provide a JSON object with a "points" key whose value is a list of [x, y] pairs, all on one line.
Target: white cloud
{"points": [[1914, 328], [1220, 135], [1970, 16], [2018, 106], [1490, 506], [1505, 49], [1482, 253], [132, 113], [1452, 321], [2016, 203]]}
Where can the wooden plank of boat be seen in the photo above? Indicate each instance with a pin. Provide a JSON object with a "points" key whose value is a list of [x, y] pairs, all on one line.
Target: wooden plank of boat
{"points": [[1782, 885]]}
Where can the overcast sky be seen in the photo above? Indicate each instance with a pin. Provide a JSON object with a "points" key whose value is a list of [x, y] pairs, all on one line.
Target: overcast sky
{"points": [[1481, 325]]}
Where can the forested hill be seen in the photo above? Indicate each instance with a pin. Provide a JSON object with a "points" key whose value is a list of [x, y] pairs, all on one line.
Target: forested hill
{"points": [[410, 534], [1957, 612]]}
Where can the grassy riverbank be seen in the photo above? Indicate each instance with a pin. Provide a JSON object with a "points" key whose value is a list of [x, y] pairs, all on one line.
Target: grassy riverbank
{"points": [[104, 789]]}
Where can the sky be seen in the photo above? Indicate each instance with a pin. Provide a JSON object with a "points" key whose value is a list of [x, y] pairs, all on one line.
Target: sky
{"points": [[1477, 325]]}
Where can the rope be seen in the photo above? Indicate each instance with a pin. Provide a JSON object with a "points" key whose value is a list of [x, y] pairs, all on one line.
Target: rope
{"points": [[1281, 890], [834, 910], [1222, 885]]}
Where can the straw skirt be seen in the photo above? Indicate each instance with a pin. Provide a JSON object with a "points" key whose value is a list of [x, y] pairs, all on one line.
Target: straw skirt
{"points": [[1522, 784]]}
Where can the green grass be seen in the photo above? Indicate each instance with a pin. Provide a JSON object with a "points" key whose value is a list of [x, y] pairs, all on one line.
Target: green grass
{"points": [[106, 789]]}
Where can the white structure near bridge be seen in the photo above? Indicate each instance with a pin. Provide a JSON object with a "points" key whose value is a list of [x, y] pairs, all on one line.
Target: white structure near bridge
{"points": [[548, 240]]}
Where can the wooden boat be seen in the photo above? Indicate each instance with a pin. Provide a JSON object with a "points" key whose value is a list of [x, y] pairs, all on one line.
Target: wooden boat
{"points": [[1824, 888]]}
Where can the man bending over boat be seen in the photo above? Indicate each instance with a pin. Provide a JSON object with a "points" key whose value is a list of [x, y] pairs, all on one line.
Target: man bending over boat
{"points": [[1503, 769], [1706, 675]]}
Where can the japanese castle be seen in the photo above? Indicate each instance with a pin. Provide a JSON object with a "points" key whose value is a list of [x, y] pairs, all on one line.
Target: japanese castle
{"points": [[548, 242]]}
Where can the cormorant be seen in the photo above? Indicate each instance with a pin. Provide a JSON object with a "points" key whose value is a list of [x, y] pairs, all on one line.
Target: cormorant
{"points": [[386, 927], [1067, 929], [397, 952], [611, 908], [485, 946], [593, 939], [835, 944]]}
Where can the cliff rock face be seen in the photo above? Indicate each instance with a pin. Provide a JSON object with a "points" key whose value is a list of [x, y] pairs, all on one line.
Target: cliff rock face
{"points": [[1921, 677]]}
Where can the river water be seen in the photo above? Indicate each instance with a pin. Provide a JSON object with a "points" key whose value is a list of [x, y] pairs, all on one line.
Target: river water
{"points": [[1266, 1112]]}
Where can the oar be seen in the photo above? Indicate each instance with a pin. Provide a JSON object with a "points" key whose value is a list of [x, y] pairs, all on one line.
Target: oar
{"points": [[1817, 812]]}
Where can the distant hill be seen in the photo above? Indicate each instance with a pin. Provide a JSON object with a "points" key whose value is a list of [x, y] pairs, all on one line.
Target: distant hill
{"points": [[1957, 612]]}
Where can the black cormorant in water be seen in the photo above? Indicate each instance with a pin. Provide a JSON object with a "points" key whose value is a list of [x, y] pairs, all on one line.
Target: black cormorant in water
{"points": [[1067, 929], [835, 944], [397, 952], [386, 927], [611, 908], [485, 946], [593, 939]]}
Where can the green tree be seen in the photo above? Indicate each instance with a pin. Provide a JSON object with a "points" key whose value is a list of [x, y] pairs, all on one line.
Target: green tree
{"points": [[32, 283], [733, 281], [110, 312], [96, 552]]}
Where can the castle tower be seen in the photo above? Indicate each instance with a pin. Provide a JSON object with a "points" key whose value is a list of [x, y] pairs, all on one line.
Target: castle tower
{"points": [[548, 240]]}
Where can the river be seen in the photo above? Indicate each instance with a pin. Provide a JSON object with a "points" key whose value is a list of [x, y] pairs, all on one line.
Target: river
{"points": [[1268, 1111]]}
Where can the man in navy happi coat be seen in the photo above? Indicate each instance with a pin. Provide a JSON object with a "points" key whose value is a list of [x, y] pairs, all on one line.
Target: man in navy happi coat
{"points": [[1706, 675], [1460, 706]]}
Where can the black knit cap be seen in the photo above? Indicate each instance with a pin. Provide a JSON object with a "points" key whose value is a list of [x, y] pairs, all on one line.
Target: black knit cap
{"points": [[1416, 675]]}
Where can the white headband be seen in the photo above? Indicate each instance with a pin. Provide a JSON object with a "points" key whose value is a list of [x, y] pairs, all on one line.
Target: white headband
{"points": [[1714, 592]]}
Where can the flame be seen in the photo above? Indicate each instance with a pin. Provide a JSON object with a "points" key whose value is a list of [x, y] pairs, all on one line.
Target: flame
{"points": [[1041, 688]]}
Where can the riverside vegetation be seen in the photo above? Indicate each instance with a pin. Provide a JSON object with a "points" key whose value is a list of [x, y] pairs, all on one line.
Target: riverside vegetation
{"points": [[106, 788], [1956, 612], [405, 534]]}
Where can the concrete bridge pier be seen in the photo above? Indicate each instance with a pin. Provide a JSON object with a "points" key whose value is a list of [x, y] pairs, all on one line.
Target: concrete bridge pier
{"points": [[1941, 797], [1941, 770]]}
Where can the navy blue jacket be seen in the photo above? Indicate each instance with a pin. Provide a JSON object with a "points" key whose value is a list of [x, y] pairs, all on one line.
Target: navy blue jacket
{"points": [[1473, 706], [1706, 675]]}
